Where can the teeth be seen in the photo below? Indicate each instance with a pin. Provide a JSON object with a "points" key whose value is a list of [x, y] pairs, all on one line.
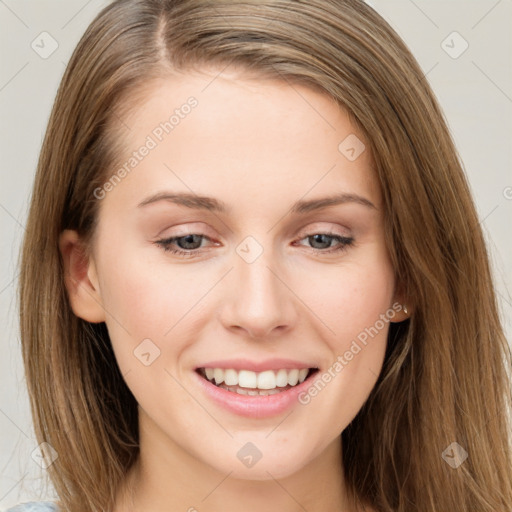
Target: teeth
{"points": [[282, 378], [218, 375], [230, 378], [293, 377], [247, 379], [268, 380], [252, 392]]}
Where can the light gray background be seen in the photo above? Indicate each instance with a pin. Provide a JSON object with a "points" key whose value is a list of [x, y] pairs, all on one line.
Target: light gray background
{"points": [[475, 91]]}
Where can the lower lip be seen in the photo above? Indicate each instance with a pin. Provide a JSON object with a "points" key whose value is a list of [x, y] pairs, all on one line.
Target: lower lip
{"points": [[254, 406]]}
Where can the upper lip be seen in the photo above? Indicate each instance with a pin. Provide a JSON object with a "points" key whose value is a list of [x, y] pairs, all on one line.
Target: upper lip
{"points": [[257, 366]]}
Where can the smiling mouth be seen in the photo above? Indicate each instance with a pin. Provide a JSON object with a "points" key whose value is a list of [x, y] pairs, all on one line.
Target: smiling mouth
{"points": [[246, 382]]}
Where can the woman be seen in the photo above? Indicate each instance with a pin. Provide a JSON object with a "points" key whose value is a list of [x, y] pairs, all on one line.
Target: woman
{"points": [[190, 343]]}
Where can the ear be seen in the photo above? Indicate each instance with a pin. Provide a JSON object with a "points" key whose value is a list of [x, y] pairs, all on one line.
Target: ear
{"points": [[80, 278]]}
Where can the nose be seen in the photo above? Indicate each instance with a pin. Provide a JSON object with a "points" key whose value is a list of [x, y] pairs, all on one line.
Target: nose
{"points": [[260, 303]]}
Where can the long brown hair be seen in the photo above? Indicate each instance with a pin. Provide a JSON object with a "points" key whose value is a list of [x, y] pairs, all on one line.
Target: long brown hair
{"points": [[444, 378]]}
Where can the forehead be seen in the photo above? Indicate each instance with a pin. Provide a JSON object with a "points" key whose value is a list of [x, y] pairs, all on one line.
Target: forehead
{"points": [[221, 133]]}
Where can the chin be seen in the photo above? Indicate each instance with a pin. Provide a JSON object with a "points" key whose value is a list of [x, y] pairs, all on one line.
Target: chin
{"points": [[266, 462]]}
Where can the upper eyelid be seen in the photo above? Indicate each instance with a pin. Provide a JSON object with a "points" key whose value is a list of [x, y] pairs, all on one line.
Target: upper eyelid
{"points": [[315, 228]]}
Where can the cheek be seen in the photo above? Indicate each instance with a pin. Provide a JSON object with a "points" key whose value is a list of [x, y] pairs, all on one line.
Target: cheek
{"points": [[351, 296], [357, 308], [144, 302]]}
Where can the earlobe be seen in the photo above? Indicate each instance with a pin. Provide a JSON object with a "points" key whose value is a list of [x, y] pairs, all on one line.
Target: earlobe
{"points": [[80, 278], [402, 311], [402, 305], [404, 314]]}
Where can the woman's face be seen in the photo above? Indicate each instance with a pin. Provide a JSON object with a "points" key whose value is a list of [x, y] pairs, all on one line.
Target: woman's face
{"points": [[274, 280]]}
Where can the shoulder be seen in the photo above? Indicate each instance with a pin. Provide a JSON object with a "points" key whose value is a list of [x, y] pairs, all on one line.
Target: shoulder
{"points": [[35, 506]]}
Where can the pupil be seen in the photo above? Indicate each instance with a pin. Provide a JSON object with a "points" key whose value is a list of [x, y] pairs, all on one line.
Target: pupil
{"points": [[318, 238], [187, 239]]}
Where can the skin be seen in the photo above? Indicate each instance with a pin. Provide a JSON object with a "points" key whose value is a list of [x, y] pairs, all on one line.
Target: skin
{"points": [[259, 146]]}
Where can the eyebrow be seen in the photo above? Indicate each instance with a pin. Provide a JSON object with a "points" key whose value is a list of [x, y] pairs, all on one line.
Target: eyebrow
{"points": [[215, 205]]}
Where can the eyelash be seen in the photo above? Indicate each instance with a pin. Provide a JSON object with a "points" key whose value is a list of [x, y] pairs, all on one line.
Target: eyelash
{"points": [[166, 243]]}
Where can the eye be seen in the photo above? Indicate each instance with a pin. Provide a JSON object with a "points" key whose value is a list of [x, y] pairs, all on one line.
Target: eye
{"points": [[189, 241], [189, 245], [325, 239]]}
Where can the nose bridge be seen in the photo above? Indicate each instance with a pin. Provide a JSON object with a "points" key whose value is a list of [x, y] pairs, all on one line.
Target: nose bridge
{"points": [[261, 301]]}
